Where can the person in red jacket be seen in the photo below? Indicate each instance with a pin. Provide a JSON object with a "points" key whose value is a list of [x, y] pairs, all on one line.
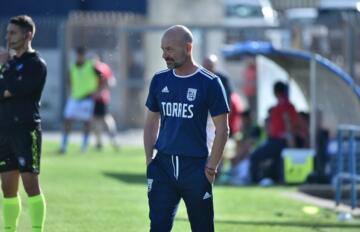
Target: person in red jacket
{"points": [[235, 120], [281, 133]]}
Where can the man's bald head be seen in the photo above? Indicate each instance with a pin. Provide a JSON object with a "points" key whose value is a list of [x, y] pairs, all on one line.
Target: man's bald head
{"points": [[176, 44], [210, 62], [180, 33]]}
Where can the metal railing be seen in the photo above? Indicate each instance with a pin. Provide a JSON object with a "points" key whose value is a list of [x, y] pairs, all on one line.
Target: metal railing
{"points": [[350, 175]]}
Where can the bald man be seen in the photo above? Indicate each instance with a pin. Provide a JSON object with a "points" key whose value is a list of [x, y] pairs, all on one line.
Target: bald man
{"points": [[179, 101], [210, 63]]}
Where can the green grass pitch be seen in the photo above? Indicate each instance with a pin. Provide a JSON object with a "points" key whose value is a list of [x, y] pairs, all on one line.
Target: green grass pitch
{"points": [[106, 191]]}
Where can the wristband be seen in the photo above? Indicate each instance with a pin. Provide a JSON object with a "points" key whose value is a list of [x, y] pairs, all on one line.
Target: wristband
{"points": [[212, 170]]}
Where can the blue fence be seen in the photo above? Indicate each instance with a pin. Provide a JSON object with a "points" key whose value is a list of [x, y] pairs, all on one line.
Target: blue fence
{"points": [[348, 133]]}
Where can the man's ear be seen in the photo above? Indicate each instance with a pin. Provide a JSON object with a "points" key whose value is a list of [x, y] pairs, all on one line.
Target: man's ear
{"points": [[188, 47], [29, 35]]}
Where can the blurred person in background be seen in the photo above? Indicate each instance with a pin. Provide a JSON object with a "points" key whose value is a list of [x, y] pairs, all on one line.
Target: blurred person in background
{"points": [[102, 116], [22, 79], [282, 124], [302, 132], [4, 55], [250, 136], [249, 87], [234, 100], [83, 85], [210, 63], [179, 101]]}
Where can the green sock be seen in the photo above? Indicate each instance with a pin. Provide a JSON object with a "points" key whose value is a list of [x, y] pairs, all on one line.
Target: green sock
{"points": [[37, 210], [11, 211]]}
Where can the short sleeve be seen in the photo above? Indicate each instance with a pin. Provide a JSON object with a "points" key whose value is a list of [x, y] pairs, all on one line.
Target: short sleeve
{"points": [[217, 99], [151, 101]]}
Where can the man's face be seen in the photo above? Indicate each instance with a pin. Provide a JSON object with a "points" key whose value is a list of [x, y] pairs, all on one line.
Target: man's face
{"points": [[80, 58], [174, 51], [16, 37]]}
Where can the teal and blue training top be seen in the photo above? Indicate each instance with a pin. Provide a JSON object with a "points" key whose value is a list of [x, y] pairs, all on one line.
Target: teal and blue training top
{"points": [[184, 103]]}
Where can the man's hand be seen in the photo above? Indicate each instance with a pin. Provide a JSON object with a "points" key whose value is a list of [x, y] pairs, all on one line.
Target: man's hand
{"points": [[221, 135], [210, 174], [4, 56], [148, 161], [151, 129], [7, 93]]}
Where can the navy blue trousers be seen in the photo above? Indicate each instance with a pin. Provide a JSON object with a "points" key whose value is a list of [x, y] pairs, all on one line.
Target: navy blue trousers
{"points": [[172, 178]]}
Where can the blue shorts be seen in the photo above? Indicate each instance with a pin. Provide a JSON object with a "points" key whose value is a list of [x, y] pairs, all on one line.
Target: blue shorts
{"points": [[82, 110], [172, 177]]}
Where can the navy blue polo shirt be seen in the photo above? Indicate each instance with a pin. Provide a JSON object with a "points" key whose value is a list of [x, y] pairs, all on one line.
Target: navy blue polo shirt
{"points": [[184, 103]]}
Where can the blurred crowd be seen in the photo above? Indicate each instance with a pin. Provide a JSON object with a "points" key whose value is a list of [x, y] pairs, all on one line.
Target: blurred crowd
{"points": [[254, 154]]}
